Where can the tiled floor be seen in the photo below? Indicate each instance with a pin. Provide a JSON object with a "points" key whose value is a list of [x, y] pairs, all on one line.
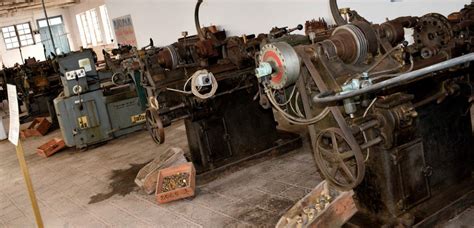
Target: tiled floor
{"points": [[95, 188]]}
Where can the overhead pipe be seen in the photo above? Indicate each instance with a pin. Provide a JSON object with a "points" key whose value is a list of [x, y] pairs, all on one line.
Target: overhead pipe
{"points": [[397, 81], [196, 20]]}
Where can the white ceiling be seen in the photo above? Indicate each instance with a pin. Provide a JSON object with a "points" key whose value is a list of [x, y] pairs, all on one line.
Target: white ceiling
{"points": [[11, 7]]}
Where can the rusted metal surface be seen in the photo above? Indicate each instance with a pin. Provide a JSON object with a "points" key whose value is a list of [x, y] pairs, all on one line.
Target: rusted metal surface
{"points": [[388, 143], [155, 126], [220, 117], [38, 83]]}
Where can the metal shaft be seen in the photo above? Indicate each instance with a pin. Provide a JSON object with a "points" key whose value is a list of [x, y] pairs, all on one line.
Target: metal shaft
{"points": [[397, 81], [49, 27]]}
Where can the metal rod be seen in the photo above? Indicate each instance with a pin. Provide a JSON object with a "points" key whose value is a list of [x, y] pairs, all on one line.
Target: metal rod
{"points": [[371, 143], [397, 81], [49, 27], [21, 55]]}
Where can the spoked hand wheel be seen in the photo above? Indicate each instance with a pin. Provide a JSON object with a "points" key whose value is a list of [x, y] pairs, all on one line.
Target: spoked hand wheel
{"points": [[155, 126], [340, 163]]}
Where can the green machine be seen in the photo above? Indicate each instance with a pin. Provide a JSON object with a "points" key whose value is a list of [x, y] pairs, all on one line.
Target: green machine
{"points": [[92, 109]]}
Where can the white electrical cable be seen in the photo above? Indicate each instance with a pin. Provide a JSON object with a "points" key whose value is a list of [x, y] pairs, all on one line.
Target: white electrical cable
{"points": [[289, 99], [194, 85], [298, 110], [195, 88], [292, 119]]}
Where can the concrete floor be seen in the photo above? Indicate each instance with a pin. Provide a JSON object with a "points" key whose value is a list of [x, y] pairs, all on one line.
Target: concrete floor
{"points": [[95, 188]]}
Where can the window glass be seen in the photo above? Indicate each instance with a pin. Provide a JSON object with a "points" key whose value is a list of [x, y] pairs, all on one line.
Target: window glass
{"points": [[91, 25], [24, 34], [52, 21], [106, 24], [10, 38]]}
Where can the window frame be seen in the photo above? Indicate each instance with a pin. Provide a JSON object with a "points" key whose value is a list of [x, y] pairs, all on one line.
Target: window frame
{"points": [[50, 18], [90, 28], [17, 36]]}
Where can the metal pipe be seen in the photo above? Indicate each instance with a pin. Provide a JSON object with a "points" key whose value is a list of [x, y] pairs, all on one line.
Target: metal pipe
{"points": [[336, 14], [49, 27], [196, 20], [397, 81], [21, 55], [371, 143]]}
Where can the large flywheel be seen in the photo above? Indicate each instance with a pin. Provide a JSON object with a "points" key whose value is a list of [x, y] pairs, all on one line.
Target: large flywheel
{"points": [[340, 163], [155, 126]]}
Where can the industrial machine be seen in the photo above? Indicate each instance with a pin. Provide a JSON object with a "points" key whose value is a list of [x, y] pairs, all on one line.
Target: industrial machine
{"points": [[208, 80], [92, 109], [389, 119], [37, 83]]}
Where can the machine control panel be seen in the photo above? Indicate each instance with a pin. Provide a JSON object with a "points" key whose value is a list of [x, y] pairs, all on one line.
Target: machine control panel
{"points": [[71, 75]]}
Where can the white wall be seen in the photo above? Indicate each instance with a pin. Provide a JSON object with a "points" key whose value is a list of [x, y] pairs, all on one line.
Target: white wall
{"points": [[164, 20], [10, 57]]}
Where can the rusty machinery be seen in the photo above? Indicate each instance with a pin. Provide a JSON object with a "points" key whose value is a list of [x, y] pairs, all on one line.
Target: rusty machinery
{"points": [[38, 83], [208, 80], [386, 118]]}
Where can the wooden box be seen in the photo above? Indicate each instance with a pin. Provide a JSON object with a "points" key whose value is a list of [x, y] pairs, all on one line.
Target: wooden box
{"points": [[180, 193], [50, 147], [39, 127], [148, 175]]}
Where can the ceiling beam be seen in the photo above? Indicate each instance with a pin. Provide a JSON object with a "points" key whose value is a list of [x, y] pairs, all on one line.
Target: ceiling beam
{"points": [[34, 5]]}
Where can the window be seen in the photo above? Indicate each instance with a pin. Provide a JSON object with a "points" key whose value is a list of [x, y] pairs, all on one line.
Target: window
{"points": [[52, 21], [18, 35], [10, 38], [24, 33], [106, 23], [89, 28]]}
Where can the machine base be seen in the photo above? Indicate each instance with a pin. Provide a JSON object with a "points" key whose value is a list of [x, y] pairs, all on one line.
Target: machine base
{"points": [[285, 143], [445, 204]]}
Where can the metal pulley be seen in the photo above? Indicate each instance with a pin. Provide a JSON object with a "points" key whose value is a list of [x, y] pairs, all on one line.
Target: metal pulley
{"points": [[168, 57], [354, 42], [280, 62], [339, 162], [154, 126]]}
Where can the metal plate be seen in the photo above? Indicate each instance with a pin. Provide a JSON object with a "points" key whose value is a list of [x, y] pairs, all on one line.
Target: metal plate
{"points": [[71, 75]]}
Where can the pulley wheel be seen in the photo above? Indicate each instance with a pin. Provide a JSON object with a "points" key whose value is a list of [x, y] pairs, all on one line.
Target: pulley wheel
{"points": [[338, 163], [155, 126]]}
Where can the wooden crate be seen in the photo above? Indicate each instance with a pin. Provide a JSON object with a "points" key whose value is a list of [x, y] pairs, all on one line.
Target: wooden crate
{"points": [[180, 193], [50, 147], [39, 127], [148, 175]]}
